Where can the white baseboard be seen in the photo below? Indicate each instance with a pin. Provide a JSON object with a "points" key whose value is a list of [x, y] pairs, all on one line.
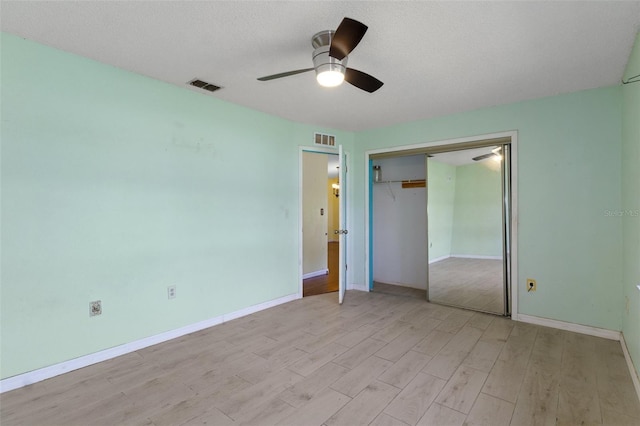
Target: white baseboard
{"points": [[632, 369], [473, 256], [315, 274], [568, 326], [40, 374], [438, 259]]}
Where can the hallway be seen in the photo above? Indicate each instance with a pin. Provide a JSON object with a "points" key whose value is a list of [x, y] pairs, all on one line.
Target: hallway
{"points": [[324, 283]]}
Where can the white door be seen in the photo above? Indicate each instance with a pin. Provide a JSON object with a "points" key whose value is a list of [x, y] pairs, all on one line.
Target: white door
{"points": [[342, 228]]}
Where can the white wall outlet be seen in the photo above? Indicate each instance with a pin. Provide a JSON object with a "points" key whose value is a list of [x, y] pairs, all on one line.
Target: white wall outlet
{"points": [[95, 308], [171, 292]]}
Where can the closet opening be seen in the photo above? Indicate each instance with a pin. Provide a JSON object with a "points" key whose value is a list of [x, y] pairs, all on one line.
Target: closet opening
{"points": [[441, 223]]}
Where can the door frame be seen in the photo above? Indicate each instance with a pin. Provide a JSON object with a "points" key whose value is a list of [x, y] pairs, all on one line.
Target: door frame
{"points": [[415, 149], [320, 150]]}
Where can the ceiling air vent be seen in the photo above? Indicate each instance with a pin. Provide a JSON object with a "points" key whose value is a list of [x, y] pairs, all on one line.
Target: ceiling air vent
{"points": [[204, 85], [324, 140]]}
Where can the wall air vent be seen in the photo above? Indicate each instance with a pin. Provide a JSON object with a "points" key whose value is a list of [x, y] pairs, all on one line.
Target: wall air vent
{"points": [[204, 85], [324, 140]]}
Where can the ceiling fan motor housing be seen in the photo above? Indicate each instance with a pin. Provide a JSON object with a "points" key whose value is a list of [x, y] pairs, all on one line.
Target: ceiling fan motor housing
{"points": [[322, 62]]}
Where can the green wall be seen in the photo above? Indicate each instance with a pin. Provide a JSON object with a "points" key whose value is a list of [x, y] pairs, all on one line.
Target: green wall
{"points": [[477, 216], [441, 181], [568, 166], [115, 186], [465, 212], [630, 206]]}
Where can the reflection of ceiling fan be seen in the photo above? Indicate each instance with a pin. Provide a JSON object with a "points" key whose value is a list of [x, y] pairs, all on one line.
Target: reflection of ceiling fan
{"points": [[495, 153], [330, 58]]}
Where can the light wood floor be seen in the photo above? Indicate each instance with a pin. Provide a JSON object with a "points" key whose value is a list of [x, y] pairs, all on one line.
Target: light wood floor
{"points": [[399, 290], [377, 359], [470, 283]]}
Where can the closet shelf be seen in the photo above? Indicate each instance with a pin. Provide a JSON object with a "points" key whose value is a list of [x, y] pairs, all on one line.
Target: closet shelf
{"points": [[407, 183]]}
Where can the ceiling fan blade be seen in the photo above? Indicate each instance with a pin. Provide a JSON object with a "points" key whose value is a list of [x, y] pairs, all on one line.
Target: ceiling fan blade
{"points": [[346, 38], [284, 74], [362, 80], [483, 156]]}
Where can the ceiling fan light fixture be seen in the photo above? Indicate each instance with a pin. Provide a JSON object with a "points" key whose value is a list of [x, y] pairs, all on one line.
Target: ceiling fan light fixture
{"points": [[329, 71], [330, 77]]}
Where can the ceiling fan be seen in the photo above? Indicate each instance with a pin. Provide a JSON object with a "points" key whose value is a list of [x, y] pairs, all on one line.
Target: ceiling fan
{"points": [[330, 58], [495, 153]]}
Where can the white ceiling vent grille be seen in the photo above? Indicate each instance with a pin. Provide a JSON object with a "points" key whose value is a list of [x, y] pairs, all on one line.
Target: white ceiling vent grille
{"points": [[324, 140]]}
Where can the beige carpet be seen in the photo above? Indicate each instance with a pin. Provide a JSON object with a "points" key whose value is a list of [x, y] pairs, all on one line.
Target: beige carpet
{"points": [[469, 283]]}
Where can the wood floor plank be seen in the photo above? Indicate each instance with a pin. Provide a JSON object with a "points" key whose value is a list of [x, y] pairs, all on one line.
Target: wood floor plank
{"points": [[212, 416], [498, 330], [303, 391], [386, 420], [366, 406], [615, 387], [505, 380], [259, 370], [433, 343], [270, 413], [185, 411], [259, 393], [363, 350], [311, 362], [578, 404], [414, 400], [392, 331], [438, 414], [405, 369], [449, 358], [402, 344], [483, 355], [537, 402], [360, 377], [356, 336], [546, 355], [614, 418], [489, 410], [462, 390], [480, 320], [318, 409], [454, 322]]}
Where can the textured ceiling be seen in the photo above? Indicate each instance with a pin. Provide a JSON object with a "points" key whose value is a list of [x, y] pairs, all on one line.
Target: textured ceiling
{"points": [[435, 58], [462, 157]]}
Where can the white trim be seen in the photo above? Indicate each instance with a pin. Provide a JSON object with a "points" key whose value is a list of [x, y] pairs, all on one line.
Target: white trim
{"points": [[513, 134], [569, 326], [332, 151], [315, 274], [359, 287], [632, 370], [438, 259], [473, 256], [40, 374]]}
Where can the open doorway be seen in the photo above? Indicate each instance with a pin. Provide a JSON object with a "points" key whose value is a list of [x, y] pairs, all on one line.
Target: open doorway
{"points": [[320, 220], [448, 237]]}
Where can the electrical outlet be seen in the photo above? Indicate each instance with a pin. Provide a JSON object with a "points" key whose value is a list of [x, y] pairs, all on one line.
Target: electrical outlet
{"points": [[626, 304], [171, 292], [95, 308], [531, 284]]}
